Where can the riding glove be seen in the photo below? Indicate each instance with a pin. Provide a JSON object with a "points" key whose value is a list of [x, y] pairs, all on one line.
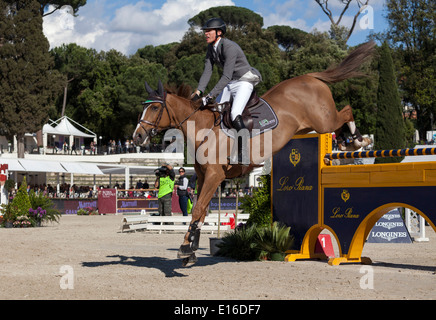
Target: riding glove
{"points": [[206, 101]]}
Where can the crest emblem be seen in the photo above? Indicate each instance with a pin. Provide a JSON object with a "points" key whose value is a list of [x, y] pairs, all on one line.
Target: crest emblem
{"points": [[345, 195], [295, 157]]}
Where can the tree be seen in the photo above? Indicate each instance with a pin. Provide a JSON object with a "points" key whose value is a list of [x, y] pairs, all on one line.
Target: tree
{"points": [[73, 62], [412, 33], [21, 199], [390, 128], [289, 38], [235, 17], [338, 32], [28, 82], [244, 27], [320, 52], [132, 93], [58, 4]]}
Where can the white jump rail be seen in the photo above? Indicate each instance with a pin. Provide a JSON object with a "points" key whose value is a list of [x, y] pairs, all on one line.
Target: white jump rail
{"points": [[176, 223]]}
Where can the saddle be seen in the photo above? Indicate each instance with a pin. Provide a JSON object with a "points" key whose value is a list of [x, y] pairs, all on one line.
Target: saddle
{"points": [[247, 116]]}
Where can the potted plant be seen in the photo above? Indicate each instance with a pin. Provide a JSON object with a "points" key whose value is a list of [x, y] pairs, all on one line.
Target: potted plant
{"points": [[240, 244], [273, 241], [22, 200], [22, 222], [44, 203], [88, 211], [37, 215], [10, 213], [253, 242]]}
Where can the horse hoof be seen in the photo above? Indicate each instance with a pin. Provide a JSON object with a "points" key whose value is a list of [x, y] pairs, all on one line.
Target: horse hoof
{"points": [[366, 142], [342, 147], [361, 144], [190, 260], [185, 251], [357, 144]]}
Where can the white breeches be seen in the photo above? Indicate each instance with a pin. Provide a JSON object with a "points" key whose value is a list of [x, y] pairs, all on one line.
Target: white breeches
{"points": [[240, 91]]}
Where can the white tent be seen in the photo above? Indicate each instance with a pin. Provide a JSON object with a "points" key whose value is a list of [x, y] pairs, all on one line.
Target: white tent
{"points": [[64, 127]]}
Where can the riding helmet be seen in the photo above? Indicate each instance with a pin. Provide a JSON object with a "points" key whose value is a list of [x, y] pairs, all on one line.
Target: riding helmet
{"points": [[215, 23]]}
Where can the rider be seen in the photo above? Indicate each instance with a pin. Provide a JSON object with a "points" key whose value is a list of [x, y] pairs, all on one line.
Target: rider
{"points": [[238, 78]]}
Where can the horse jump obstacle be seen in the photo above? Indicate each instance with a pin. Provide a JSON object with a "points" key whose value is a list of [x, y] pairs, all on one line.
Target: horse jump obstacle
{"points": [[178, 223], [310, 195]]}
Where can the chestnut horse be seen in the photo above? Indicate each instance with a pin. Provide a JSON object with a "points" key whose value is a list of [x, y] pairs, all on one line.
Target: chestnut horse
{"points": [[302, 104]]}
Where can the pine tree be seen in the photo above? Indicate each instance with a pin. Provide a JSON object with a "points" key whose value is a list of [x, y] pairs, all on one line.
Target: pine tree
{"points": [[390, 128], [22, 200], [27, 81]]}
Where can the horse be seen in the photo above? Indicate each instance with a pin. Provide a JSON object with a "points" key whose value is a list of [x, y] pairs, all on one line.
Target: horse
{"points": [[302, 104]]}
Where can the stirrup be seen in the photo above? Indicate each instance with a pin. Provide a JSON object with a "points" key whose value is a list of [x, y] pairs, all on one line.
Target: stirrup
{"points": [[219, 107]]}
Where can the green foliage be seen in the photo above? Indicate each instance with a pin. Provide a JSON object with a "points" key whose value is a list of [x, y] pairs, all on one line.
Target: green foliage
{"points": [[89, 211], [239, 244], [253, 242], [235, 17], [27, 79], [105, 89], [9, 185], [21, 200], [259, 204], [57, 4], [9, 212], [273, 239], [390, 130], [289, 38], [318, 53], [45, 203], [411, 33]]}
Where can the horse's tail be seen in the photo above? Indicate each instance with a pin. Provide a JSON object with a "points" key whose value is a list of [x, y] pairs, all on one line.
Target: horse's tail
{"points": [[348, 67]]}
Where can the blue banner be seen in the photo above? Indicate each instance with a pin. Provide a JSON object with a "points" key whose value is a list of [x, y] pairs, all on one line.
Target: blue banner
{"points": [[390, 229]]}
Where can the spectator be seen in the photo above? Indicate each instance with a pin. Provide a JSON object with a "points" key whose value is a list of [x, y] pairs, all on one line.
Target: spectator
{"points": [[139, 185], [73, 148], [65, 147], [145, 185], [92, 147], [182, 191], [165, 183]]}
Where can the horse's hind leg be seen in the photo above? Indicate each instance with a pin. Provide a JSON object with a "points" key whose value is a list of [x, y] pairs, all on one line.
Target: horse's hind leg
{"points": [[346, 115]]}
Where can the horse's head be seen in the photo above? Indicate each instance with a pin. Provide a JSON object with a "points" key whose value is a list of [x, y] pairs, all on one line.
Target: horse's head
{"points": [[155, 115]]}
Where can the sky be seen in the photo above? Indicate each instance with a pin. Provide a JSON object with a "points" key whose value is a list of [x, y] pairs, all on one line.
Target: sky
{"points": [[129, 25]]}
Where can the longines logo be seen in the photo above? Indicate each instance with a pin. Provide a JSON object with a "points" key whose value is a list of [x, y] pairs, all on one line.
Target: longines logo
{"points": [[345, 195], [295, 157]]}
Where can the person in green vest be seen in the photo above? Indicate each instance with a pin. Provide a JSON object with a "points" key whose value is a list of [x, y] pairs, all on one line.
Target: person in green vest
{"points": [[165, 183]]}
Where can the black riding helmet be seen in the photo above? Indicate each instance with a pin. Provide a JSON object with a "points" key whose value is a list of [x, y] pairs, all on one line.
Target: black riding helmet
{"points": [[215, 23]]}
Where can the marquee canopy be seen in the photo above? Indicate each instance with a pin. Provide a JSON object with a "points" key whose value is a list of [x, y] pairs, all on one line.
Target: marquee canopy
{"points": [[64, 126], [25, 165]]}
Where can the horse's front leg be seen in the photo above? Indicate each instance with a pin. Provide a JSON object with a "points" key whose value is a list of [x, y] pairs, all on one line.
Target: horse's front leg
{"points": [[198, 216]]}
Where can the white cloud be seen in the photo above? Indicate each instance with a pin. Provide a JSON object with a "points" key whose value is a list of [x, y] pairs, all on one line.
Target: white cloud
{"points": [[131, 26], [127, 26]]}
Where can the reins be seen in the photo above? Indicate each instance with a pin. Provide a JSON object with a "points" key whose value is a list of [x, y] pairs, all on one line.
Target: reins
{"points": [[162, 101]]}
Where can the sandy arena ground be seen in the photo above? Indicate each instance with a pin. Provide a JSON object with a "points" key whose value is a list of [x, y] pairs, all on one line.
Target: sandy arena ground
{"points": [[107, 264]]}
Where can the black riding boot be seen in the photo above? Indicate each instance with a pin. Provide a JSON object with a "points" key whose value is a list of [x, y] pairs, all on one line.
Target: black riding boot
{"points": [[238, 124]]}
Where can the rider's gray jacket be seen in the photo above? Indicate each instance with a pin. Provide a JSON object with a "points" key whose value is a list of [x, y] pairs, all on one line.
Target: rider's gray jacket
{"points": [[232, 59]]}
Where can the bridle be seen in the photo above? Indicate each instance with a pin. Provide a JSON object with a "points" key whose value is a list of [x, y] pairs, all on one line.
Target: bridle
{"points": [[155, 130], [163, 107]]}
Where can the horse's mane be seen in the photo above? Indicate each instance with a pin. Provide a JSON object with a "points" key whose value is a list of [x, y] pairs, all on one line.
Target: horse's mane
{"points": [[184, 90]]}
